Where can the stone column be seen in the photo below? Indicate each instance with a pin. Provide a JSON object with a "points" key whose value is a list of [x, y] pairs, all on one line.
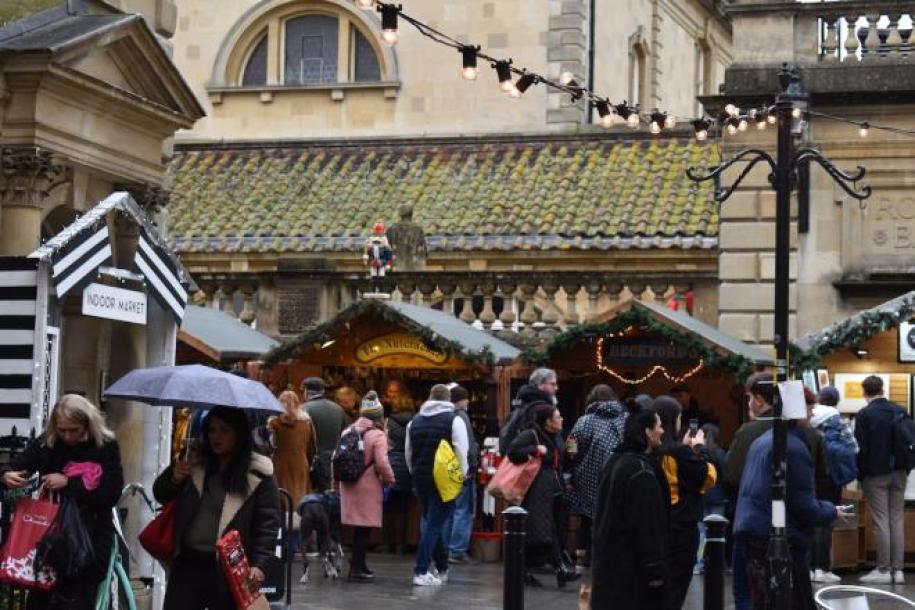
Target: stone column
{"points": [[467, 290], [507, 317], [488, 315], [447, 289], [550, 315], [248, 313], [571, 315], [26, 177], [593, 289], [226, 295]]}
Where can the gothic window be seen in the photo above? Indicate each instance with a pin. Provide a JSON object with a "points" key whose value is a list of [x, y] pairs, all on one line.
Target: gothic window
{"points": [[256, 68], [365, 67], [311, 50]]}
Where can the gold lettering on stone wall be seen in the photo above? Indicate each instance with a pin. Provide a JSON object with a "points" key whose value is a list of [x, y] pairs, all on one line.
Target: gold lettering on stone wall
{"points": [[398, 344]]}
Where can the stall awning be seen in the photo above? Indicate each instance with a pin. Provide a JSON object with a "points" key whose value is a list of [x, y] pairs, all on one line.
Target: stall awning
{"points": [[437, 329], [222, 337]]}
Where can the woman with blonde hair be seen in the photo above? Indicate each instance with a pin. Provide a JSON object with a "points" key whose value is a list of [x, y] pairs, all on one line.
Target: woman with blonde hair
{"points": [[347, 398], [295, 447], [78, 458]]}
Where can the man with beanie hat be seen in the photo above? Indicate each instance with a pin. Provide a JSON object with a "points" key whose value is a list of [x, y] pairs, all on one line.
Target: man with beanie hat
{"points": [[460, 526], [436, 421], [329, 420]]}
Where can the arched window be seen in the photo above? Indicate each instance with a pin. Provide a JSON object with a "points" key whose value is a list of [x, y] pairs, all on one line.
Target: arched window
{"points": [[295, 46]]}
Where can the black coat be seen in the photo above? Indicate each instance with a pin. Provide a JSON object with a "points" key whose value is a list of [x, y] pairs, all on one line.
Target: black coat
{"points": [[256, 516], [630, 534], [94, 506], [875, 433], [397, 439], [539, 502]]}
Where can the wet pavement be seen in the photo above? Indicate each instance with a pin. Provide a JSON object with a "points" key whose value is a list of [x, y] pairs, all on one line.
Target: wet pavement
{"points": [[477, 587]]}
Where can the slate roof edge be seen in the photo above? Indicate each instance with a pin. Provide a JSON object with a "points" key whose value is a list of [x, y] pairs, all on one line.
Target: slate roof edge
{"points": [[602, 135]]}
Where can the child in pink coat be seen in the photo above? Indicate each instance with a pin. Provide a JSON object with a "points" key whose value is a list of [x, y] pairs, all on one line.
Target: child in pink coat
{"points": [[361, 500]]}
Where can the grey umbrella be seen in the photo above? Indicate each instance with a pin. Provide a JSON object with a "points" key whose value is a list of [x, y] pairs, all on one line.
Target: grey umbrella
{"points": [[193, 386]]}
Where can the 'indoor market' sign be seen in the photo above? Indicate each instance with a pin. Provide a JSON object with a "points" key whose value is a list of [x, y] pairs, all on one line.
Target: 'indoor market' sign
{"points": [[113, 303], [398, 344]]}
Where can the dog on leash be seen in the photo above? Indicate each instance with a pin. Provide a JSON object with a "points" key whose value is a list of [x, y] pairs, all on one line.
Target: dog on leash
{"points": [[319, 513]]}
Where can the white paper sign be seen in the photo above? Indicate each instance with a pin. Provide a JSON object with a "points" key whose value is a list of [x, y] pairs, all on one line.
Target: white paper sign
{"points": [[114, 303], [793, 404]]}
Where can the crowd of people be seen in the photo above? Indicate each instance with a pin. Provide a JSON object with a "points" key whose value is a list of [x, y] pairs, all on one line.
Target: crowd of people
{"points": [[639, 476]]}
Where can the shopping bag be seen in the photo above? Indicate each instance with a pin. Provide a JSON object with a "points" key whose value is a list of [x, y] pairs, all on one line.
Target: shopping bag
{"points": [[158, 537], [512, 481], [66, 547], [31, 521], [235, 566], [447, 472]]}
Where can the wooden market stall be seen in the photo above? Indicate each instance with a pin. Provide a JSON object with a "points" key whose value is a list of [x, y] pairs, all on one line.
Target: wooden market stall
{"points": [[210, 336], [878, 341], [646, 347]]}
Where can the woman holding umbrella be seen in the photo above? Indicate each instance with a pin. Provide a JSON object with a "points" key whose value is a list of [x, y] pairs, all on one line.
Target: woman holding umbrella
{"points": [[78, 458], [228, 486]]}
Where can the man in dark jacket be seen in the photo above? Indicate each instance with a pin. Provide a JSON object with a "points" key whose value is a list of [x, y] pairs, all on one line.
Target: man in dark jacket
{"points": [[541, 389], [882, 481], [329, 420], [803, 512]]}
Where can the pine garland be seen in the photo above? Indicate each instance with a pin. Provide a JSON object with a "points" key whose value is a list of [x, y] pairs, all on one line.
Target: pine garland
{"points": [[379, 311], [740, 366]]}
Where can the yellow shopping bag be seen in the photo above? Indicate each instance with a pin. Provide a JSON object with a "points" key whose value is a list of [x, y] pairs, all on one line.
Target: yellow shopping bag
{"points": [[447, 472]]}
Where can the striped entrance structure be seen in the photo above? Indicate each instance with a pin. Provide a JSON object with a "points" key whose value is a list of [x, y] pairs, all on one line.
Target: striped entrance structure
{"points": [[18, 295]]}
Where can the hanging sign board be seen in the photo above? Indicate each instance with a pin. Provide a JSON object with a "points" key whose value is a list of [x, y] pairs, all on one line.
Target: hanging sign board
{"points": [[103, 301], [398, 344]]}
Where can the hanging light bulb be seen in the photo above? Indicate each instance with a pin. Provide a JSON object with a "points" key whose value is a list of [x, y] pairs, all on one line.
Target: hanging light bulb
{"points": [[504, 74], [524, 83], [634, 120], [654, 128], [796, 112], [656, 121], [389, 23], [732, 125], [566, 78], [628, 114], [742, 125], [700, 126], [732, 110], [863, 131], [603, 111], [670, 122], [366, 4], [469, 70], [761, 120]]}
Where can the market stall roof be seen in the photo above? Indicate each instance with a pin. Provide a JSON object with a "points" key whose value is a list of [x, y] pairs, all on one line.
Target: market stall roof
{"points": [[441, 329], [718, 349], [222, 337], [859, 327]]}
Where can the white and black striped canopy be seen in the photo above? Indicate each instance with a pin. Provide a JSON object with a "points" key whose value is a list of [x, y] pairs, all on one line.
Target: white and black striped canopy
{"points": [[18, 292], [161, 275], [76, 263]]}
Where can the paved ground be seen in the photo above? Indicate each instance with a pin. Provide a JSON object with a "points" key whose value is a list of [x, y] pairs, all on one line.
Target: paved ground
{"points": [[472, 587]]}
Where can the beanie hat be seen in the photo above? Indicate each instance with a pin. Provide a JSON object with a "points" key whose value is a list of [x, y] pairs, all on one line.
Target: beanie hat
{"points": [[371, 407], [829, 396]]}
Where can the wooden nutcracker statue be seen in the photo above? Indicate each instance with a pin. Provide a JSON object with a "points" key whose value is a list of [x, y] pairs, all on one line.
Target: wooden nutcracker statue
{"points": [[378, 255]]}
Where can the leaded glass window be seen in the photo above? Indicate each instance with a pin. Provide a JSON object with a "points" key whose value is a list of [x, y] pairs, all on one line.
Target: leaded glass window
{"points": [[256, 68], [366, 62], [311, 50]]}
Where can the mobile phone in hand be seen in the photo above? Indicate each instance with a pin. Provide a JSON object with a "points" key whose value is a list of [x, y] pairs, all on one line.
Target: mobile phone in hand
{"points": [[693, 427]]}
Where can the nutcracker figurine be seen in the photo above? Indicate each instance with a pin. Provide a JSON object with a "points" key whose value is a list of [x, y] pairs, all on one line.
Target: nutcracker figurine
{"points": [[378, 255]]}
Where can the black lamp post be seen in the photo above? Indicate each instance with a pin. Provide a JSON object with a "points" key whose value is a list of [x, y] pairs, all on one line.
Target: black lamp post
{"points": [[788, 108]]}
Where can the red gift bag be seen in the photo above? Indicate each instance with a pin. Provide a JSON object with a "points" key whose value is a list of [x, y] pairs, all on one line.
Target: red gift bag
{"points": [[31, 521], [235, 566], [158, 537], [512, 481]]}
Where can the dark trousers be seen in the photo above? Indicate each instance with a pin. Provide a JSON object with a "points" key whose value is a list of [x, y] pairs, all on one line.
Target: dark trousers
{"points": [[756, 554], [72, 595], [360, 545], [431, 546], [583, 538], [821, 549], [197, 583], [684, 544]]}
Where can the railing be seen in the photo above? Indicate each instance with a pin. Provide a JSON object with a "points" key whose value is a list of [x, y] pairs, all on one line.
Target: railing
{"points": [[872, 35]]}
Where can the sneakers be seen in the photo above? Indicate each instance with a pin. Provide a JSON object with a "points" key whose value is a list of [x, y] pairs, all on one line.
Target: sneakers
{"points": [[425, 580], [442, 576], [898, 577], [824, 577], [878, 577]]}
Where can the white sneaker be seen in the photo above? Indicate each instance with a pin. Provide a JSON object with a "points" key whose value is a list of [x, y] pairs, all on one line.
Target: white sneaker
{"points": [[442, 577], [898, 577], [816, 575], [876, 577], [425, 580], [830, 577]]}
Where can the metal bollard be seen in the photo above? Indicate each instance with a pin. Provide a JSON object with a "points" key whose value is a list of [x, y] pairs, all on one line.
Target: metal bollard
{"points": [[716, 528], [513, 591]]}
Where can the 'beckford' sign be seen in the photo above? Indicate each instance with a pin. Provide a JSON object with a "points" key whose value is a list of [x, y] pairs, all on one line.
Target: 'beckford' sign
{"points": [[114, 303], [398, 344]]}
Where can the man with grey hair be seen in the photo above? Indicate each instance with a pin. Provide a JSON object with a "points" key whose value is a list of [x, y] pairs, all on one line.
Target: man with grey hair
{"points": [[541, 389], [435, 422]]}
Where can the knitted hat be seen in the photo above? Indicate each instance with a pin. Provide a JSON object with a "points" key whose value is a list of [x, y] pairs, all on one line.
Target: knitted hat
{"points": [[828, 396], [371, 407]]}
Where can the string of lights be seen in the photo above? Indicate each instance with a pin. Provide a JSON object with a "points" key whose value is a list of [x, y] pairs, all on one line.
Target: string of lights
{"points": [[658, 368], [732, 121]]}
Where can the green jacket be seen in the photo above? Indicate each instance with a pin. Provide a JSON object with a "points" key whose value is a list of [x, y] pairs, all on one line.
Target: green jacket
{"points": [[749, 432]]}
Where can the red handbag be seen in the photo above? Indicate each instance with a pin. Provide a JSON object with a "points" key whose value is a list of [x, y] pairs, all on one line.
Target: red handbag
{"points": [[235, 566], [512, 481], [31, 521], [158, 537]]}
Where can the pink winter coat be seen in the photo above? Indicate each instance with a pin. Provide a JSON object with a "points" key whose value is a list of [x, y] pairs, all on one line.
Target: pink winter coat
{"points": [[361, 501]]}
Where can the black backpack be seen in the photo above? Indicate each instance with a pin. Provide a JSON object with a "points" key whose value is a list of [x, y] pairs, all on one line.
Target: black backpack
{"points": [[348, 461], [904, 442]]}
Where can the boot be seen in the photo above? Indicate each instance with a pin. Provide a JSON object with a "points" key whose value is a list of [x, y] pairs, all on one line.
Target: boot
{"points": [[531, 580], [564, 575]]}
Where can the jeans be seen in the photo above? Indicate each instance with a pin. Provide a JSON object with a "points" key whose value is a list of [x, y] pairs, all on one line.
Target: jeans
{"points": [[431, 546], [885, 495], [456, 534], [740, 586]]}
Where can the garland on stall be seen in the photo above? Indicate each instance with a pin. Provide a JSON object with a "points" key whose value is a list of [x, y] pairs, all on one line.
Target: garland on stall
{"points": [[740, 366], [329, 331], [806, 354]]}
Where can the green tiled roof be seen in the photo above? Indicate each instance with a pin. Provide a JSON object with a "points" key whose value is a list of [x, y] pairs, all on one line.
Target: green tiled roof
{"points": [[575, 192]]}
